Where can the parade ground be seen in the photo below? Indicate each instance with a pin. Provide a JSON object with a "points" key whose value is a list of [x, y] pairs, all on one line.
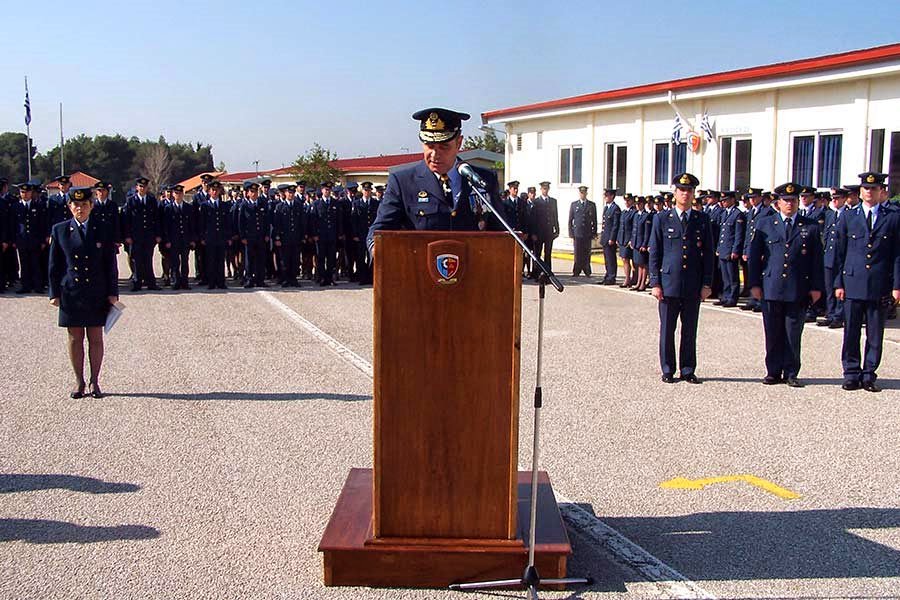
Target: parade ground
{"points": [[233, 418]]}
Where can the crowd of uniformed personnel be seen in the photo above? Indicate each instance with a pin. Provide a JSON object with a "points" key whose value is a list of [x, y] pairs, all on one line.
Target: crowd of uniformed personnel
{"points": [[250, 233]]}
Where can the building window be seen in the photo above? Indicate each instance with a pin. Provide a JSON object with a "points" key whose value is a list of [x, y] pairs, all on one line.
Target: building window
{"points": [[734, 162], [679, 158], [876, 151], [518, 141], [570, 164], [540, 140], [894, 165], [664, 155], [816, 159], [616, 166]]}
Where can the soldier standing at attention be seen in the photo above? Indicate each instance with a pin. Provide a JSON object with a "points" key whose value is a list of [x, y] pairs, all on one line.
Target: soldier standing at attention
{"points": [[626, 229], [253, 229], [834, 308], [582, 230], [216, 231], [544, 226], [30, 237], [179, 229], [730, 246], [289, 232], [867, 279], [681, 270], [609, 234], [327, 224], [640, 238], [786, 272], [140, 224]]}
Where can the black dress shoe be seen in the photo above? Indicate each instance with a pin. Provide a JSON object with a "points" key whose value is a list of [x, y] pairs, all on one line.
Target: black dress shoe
{"points": [[850, 386], [668, 379], [771, 380], [823, 323], [23, 291], [77, 393], [746, 307], [717, 303], [154, 288], [757, 309], [691, 378], [836, 325], [870, 386], [793, 382], [95, 390], [729, 304]]}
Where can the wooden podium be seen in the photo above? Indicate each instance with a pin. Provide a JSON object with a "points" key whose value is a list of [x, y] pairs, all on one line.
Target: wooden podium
{"points": [[445, 502]]}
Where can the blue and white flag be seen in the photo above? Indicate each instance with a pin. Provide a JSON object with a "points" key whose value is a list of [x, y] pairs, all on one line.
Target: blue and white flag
{"points": [[676, 130], [27, 105], [706, 128]]}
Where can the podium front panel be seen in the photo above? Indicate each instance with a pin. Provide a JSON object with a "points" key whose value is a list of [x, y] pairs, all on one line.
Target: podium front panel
{"points": [[446, 347]]}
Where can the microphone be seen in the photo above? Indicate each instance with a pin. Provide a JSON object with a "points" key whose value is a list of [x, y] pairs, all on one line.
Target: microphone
{"points": [[466, 170]]}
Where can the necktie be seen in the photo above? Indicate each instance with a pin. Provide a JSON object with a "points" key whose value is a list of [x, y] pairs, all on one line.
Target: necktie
{"points": [[787, 228], [684, 221], [869, 221], [82, 228], [448, 191]]}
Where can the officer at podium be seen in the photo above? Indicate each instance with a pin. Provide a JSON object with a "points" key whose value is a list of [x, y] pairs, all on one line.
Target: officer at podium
{"points": [[432, 194]]}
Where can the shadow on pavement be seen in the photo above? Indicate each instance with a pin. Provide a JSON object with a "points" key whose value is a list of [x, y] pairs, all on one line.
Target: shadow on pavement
{"points": [[39, 531], [16, 482], [727, 546], [265, 397], [887, 384]]}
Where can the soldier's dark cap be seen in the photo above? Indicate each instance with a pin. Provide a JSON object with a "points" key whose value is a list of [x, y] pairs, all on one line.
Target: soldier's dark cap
{"points": [[178, 188], [839, 192], [788, 191], [628, 196], [352, 185], [62, 179], [852, 188], [102, 185], [641, 199], [532, 189], [302, 183], [326, 184], [206, 178], [685, 181], [752, 191], [366, 185], [26, 185], [513, 183], [283, 186], [4, 180], [379, 188], [729, 194], [807, 190], [81, 194], [142, 181], [215, 183], [163, 187], [544, 184], [612, 191], [439, 124], [250, 185], [871, 179], [582, 188]]}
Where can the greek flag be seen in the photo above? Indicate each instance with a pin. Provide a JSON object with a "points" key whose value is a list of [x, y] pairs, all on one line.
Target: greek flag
{"points": [[27, 105], [676, 130], [706, 128]]}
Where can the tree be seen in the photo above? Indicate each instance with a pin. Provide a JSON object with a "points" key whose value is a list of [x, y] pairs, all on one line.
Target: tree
{"points": [[156, 165], [489, 141], [315, 166], [14, 156]]}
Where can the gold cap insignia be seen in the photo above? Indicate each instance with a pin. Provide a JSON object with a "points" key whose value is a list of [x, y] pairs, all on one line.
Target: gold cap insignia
{"points": [[434, 123], [79, 195], [870, 179], [685, 179], [749, 190], [423, 194], [789, 189]]}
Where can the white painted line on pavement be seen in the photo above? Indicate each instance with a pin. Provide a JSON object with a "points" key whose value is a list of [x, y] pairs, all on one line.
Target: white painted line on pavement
{"points": [[672, 583], [335, 346]]}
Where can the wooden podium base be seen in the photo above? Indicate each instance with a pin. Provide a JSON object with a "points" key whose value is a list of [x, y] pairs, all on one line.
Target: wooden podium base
{"points": [[353, 557]]}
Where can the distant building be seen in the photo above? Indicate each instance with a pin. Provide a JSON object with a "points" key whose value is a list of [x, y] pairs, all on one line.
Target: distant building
{"points": [[816, 121], [78, 179]]}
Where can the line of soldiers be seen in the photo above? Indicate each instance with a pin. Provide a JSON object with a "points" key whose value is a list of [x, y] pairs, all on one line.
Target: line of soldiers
{"points": [[251, 233]]}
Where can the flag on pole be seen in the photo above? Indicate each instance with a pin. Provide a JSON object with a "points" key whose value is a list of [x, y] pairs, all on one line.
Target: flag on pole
{"points": [[676, 130], [706, 128], [27, 105]]}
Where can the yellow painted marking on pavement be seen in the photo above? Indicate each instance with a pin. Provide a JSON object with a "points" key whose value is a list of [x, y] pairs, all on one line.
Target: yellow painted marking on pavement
{"points": [[699, 484]]}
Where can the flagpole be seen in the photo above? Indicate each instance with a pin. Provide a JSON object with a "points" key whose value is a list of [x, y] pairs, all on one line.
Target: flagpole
{"points": [[28, 127], [62, 145]]}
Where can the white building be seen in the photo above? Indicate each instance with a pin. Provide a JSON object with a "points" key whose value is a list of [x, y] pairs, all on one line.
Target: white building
{"points": [[817, 121]]}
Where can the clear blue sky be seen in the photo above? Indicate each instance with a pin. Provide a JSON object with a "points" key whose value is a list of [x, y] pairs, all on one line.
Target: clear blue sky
{"points": [[264, 79]]}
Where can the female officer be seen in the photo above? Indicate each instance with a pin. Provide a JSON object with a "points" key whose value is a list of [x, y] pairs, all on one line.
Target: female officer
{"points": [[84, 282]]}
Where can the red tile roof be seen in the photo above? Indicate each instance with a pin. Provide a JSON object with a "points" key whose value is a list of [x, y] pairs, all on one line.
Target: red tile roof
{"points": [[194, 181], [78, 179], [806, 65], [363, 163]]}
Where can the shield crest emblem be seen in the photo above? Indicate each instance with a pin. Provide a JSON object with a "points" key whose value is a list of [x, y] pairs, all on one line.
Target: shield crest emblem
{"points": [[446, 261], [447, 265]]}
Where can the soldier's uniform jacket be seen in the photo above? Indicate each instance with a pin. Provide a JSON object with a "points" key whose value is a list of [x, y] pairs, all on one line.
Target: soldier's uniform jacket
{"points": [[415, 199], [30, 227], [345, 208], [868, 264], [731, 232], [57, 209], [371, 211], [544, 221], [6, 232], [681, 260], [641, 228], [290, 222], [753, 216], [626, 226], [582, 219], [611, 217], [82, 271], [327, 220], [832, 218], [140, 220], [179, 224], [253, 220], [786, 269], [359, 217], [216, 222], [108, 220]]}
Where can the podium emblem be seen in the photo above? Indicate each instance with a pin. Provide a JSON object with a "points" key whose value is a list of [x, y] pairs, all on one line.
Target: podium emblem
{"points": [[446, 261]]}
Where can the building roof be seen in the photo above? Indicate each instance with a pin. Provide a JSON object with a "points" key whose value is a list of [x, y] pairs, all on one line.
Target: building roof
{"points": [[795, 67], [78, 179], [194, 181], [379, 163]]}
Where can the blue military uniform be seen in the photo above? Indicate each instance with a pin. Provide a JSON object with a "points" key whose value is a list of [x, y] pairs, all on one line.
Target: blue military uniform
{"points": [[199, 197], [82, 270], [216, 231], [253, 224], [641, 227], [626, 230], [753, 216], [289, 231], [582, 230], [327, 225], [786, 263], [834, 315], [359, 228], [868, 270], [30, 232], [730, 242], [609, 235], [140, 223], [179, 233], [681, 264]]}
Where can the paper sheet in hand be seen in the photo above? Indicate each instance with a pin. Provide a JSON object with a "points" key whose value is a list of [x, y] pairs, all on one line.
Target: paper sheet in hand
{"points": [[115, 311]]}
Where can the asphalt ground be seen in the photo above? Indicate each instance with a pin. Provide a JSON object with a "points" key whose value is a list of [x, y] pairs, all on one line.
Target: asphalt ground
{"points": [[212, 467]]}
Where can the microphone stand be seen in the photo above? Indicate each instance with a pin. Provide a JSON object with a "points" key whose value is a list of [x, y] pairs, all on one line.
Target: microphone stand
{"points": [[531, 579]]}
